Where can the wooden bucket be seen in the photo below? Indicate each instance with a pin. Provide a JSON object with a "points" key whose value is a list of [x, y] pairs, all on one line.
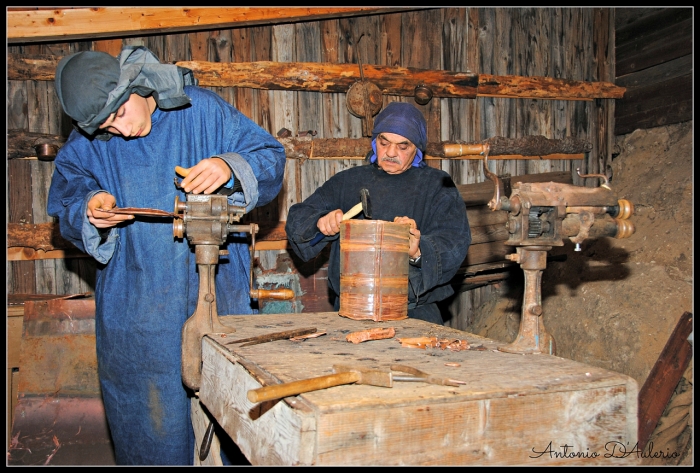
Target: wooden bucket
{"points": [[373, 270]]}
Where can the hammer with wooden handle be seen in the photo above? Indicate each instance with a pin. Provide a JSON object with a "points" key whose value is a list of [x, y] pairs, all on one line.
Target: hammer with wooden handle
{"points": [[363, 206], [342, 375]]}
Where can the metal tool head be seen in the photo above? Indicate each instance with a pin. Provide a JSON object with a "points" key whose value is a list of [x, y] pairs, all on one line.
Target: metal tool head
{"points": [[366, 207], [373, 377]]}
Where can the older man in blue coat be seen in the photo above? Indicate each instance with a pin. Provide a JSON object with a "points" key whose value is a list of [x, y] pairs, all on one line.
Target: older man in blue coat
{"points": [[403, 189]]}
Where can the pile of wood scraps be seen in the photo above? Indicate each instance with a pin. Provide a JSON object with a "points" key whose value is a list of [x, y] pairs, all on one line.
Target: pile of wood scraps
{"points": [[453, 344]]}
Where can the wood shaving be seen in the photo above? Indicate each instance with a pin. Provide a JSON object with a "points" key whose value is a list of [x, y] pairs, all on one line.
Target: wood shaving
{"points": [[433, 342], [371, 334], [309, 335]]}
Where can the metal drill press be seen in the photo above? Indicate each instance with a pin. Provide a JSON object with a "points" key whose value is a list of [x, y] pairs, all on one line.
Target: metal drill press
{"points": [[540, 216], [207, 220]]}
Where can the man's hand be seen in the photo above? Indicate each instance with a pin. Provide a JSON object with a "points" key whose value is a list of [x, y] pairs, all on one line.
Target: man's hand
{"points": [[413, 236], [99, 219], [329, 224], [206, 176]]}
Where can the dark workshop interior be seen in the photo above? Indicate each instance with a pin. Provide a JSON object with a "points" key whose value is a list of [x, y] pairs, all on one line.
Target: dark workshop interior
{"points": [[570, 325]]}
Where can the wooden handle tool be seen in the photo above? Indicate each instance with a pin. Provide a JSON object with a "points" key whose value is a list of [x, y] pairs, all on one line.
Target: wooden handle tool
{"points": [[275, 294], [270, 337], [279, 391], [181, 171], [343, 375]]}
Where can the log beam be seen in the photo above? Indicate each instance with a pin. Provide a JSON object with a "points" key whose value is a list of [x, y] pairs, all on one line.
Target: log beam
{"points": [[20, 144], [332, 77]]}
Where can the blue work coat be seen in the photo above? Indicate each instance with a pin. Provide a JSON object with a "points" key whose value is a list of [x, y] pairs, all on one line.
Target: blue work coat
{"points": [[147, 281]]}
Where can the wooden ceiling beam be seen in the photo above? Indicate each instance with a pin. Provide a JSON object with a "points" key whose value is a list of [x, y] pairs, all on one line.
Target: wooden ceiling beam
{"points": [[28, 25], [332, 77]]}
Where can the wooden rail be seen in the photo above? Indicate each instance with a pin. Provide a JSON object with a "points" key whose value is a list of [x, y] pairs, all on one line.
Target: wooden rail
{"points": [[333, 77], [21, 144], [28, 25]]}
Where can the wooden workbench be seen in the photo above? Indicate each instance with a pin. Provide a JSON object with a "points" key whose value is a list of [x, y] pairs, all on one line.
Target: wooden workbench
{"points": [[512, 406]]}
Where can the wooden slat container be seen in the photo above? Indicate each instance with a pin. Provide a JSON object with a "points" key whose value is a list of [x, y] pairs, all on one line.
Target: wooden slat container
{"points": [[511, 407], [373, 270]]}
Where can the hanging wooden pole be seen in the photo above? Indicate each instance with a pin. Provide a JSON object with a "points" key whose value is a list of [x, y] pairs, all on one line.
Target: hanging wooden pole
{"points": [[338, 78]]}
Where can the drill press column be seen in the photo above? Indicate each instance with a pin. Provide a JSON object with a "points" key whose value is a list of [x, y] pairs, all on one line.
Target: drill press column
{"points": [[532, 337], [205, 318]]}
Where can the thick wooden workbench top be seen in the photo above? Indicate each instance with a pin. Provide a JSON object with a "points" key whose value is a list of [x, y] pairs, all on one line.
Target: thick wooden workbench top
{"points": [[512, 407]]}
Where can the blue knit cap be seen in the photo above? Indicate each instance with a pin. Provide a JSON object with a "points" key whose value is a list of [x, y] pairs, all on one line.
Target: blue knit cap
{"points": [[402, 119]]}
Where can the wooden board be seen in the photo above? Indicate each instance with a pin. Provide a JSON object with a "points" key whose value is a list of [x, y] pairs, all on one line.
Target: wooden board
{"points": [[512, 406]]}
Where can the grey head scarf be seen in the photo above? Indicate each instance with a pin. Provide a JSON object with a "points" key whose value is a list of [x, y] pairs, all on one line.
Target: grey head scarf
{"points": [[91, 85]]}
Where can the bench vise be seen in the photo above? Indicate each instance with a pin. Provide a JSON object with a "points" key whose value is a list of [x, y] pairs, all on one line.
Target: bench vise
{"points": [[206, 220]]}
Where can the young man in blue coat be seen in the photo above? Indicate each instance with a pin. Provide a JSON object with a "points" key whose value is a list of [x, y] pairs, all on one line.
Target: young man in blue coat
{"points": [[136, 120], [402, 189]]}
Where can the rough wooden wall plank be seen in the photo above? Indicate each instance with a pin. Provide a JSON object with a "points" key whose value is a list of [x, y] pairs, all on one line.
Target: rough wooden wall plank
{"points": [[17, 105], [505, 112], [454, 125], [347, 54], [282, 49], [21, 274], [309, 111], [470, 122], [559, 107], [176, 46], [45, 120], [242, 52], [589, 71], [492, 58], [199, 46], [660, 44], [221, 51], [390, 42], [262, 51], [486, 51], [368, 51], [573, 27], [672, 103], [335, 114], [604, 62], [459, 122], [534, 31], [109, 46], [423, 50], [40, 120]]}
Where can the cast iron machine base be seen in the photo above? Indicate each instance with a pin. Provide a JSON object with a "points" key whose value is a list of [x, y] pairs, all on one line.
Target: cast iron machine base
{"points": [[207, 220], [540, 215]]}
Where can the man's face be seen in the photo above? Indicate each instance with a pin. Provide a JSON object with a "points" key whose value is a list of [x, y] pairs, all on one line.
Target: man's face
{"points": [[395, 153], [133, 119]]}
